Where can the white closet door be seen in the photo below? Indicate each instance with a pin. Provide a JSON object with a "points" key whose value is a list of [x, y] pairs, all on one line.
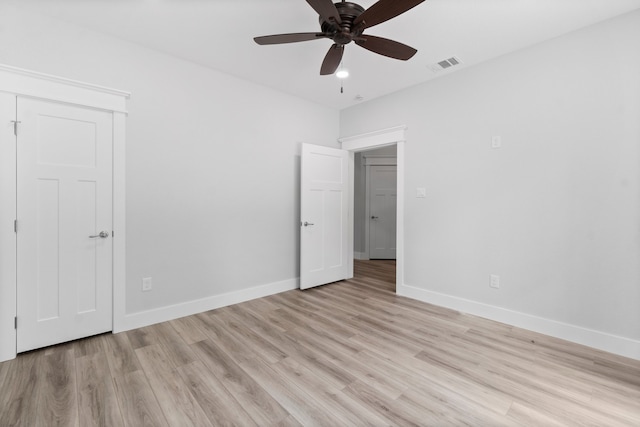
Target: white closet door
{"points": [[383, 200], [64, 211]]}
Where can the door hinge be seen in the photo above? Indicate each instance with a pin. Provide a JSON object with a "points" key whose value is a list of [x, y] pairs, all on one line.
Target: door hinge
{"points": [[15, 126], [15, 322], [15, 225]]}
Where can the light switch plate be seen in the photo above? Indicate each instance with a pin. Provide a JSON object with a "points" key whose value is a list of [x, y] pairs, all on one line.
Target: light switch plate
{"points": [[421, 192]]}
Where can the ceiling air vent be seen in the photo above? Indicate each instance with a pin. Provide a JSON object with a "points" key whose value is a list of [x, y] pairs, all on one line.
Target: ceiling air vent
{"points": [[444, 64]]}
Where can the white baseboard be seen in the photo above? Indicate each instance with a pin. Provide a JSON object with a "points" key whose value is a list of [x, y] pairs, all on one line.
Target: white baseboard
{"points": [[360, 255], [163, 314], [596, 339]]}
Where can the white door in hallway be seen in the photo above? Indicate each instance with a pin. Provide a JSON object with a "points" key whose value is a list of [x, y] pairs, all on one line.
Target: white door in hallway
{"points": [[324, 216], [64, 212], [382, 221]]}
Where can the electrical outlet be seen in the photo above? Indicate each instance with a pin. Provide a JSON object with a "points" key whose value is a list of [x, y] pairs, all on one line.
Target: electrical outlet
{"points": [[496, 141], [147, 284], [495, 281]]}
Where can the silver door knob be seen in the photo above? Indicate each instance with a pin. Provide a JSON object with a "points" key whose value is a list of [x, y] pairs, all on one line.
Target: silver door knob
{"points": [[374, 217], [306, 224], [102, 235]]}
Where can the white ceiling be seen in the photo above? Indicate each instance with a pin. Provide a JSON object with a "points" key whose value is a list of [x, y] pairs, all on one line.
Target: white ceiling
{"points": [[219, 34]]}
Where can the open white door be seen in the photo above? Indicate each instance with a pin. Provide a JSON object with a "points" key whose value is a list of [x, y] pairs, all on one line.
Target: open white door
{"points": [[324, 216]]}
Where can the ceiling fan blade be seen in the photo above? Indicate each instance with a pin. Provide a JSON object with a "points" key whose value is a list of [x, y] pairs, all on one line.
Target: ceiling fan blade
{"points": [[326, 9], [386, 47], [382, 11], [288, 38], [332, 60]]}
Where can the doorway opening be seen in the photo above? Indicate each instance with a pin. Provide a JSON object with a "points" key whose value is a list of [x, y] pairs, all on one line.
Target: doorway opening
{"points": [[375, 204], [374, 140]]}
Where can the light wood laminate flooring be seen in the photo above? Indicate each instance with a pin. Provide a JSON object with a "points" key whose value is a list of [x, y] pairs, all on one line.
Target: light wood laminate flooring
{"points": [[350, 353]]}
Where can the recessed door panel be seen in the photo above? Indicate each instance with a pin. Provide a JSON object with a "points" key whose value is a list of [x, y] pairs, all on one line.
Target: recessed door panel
{"points": [[86, 265], [48, 249], [66, 141], [333, 213]]}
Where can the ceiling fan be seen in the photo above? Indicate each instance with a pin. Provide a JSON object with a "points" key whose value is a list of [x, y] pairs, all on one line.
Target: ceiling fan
{"points": [[345, 22]]}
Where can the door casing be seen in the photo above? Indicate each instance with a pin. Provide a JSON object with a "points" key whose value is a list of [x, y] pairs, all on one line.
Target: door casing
{"points": [[17, 82], [378, 139]]}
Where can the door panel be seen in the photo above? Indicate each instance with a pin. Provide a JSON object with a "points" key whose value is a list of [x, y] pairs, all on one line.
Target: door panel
{"points": [[382, 222], [64, 197], [324, 215]]}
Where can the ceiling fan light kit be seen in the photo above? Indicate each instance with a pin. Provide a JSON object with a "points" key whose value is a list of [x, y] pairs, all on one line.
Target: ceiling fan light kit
{"points": [[345, 22]]}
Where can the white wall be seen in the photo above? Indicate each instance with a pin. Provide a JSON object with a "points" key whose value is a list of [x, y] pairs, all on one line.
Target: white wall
{"points": [[212, 162], [555, 212]]}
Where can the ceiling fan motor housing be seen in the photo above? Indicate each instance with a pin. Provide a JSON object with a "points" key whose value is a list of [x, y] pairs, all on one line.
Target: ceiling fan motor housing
{"points": [[342, 33]]}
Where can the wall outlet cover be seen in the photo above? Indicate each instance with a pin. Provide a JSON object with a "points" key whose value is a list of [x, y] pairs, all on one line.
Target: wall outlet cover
{"points": [[495, 281]]}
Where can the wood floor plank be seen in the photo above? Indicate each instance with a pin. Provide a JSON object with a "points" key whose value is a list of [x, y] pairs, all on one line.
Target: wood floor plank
{"points": [[258, 403], [97, 401], [239, 325], [347, 410], [137, 401], [299, 404], [218, 332], [120, 355], [176, 349], [220, 406], [88, 346], [396, 412], [176, 401], [18, 405], [522, 414], [142, 337], [56, 390], [189, 329]]}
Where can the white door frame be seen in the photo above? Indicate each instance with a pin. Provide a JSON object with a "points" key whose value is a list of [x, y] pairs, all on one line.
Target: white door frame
{"points": [[377, 139], [24, 83]]}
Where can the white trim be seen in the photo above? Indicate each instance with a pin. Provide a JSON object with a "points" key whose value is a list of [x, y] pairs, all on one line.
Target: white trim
{"points": [[18, 81], [163, 314], [119, 223], [7, 235], [377, 139], [24, 83], [351, 215], [400, 219], [367, 208], [596, 339]]}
